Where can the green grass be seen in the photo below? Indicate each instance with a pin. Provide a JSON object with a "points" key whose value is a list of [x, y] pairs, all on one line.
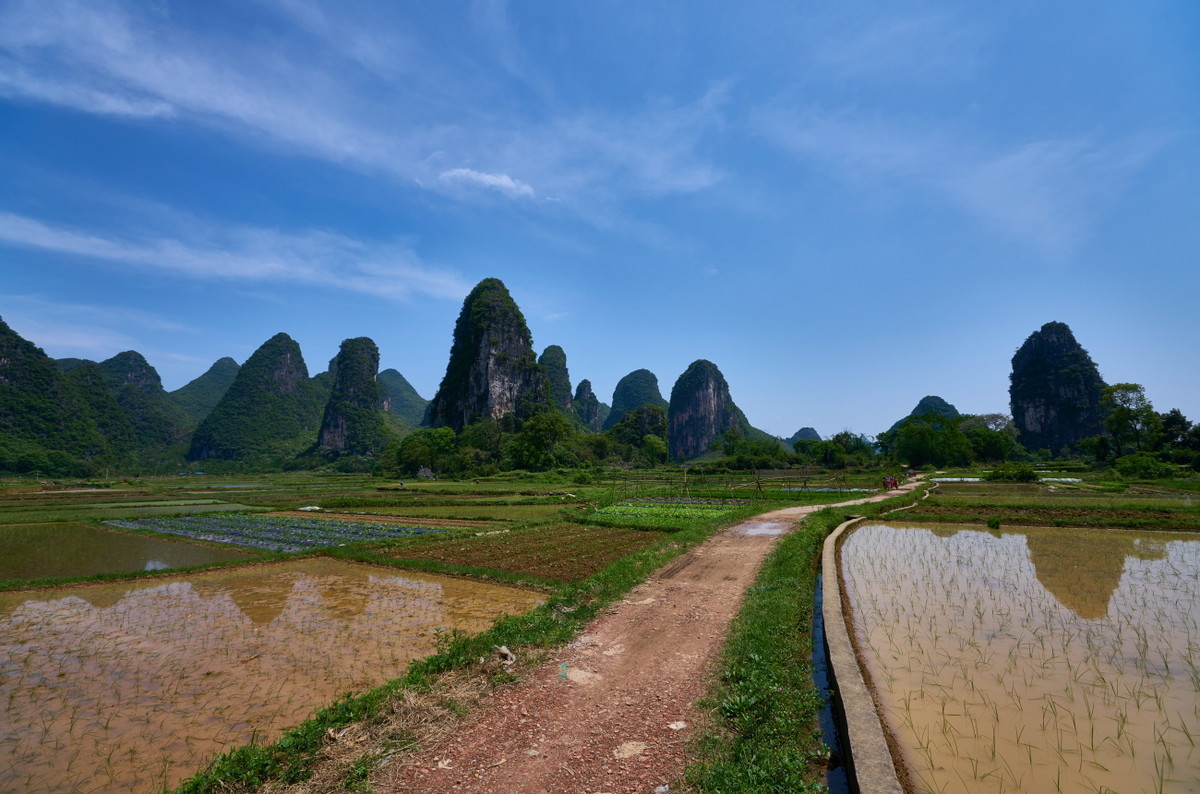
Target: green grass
{"points": [[763, 734], [569, 608], [470, 512], [86, 512]]}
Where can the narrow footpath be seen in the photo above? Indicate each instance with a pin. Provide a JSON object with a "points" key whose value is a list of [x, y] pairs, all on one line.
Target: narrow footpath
{"points": [[614, 710]]}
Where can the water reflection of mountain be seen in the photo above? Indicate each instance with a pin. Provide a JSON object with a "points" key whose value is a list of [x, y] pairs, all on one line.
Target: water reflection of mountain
{"points": [[261, 599], [1083, 568]]}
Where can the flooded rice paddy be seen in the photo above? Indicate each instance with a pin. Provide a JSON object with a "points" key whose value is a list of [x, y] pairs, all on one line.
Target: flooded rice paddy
{"points": [[36, 551], [1038, 660], [133, 686]]}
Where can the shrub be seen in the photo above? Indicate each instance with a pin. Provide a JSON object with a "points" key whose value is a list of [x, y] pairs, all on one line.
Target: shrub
{"points": [[1145, 466], [1012, 472]]}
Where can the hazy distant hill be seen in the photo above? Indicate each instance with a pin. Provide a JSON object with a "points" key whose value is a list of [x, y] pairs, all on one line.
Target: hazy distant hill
{"points": [[406, 404], [805, 434], [929, 404], [197, 399]]}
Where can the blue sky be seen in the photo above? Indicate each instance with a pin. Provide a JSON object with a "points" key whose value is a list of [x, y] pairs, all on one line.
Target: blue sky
{"points": [[845, 206]]}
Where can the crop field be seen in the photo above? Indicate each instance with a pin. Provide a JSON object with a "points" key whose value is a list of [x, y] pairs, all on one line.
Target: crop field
{"points": [[274, 533], [1180, 511], [376, 518], [561, 552], [1038, 660], [137, 627], [132, 686], [667, 511], [471, 511], [27, 515]]}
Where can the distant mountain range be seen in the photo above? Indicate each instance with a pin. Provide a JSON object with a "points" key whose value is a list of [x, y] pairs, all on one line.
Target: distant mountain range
{"points": [[74, 417]]}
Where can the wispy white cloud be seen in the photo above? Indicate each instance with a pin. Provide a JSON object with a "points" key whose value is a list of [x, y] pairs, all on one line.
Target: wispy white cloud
{"points": [[501, 182], [309, 95], [491, 18], [98, 313], [896, 45], [17, 82], [96, 331], [245, 254], [1049, 193], [60, 338]]}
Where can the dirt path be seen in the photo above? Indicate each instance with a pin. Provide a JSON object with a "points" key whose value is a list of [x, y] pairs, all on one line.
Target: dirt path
{"points": [[621, 718]]}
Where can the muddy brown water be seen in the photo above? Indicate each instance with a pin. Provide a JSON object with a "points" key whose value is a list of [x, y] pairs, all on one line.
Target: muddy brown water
{"points": [[132, 687], [1035, 659]]}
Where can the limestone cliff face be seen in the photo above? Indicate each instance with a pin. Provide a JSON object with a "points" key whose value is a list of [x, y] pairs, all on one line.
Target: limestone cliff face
{"points": [[554, 361], [1054, 390], [588, 407], [492, 370], [700, 411], [353, 422]]}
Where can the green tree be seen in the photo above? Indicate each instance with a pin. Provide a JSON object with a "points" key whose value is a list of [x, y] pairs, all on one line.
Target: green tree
{"points": [[431, 447], [1129, 417], [1174, 426], [654, 448], [541, 443], [930, 438]]}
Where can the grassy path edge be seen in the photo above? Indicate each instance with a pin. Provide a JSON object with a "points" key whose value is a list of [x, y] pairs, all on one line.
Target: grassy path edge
{"points": [[763, 733], [568, 609]]}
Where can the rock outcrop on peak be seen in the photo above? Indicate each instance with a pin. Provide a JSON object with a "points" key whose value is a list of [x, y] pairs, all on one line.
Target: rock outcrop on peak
{"points": [[492, 370], [198, 397], [700, 411], [157, 422], [355, 417], [929, 404], [406, 404], [636, 389], [1054, 390], [554, 361], [588, 408], [272, 408]]}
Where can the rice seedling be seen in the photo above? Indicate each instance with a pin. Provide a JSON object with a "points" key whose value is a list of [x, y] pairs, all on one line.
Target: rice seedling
{"points": [[1110, 672], [133, 685]]}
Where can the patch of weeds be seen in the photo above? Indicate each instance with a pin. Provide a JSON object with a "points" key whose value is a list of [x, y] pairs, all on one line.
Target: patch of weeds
{"points": [[568, 609], [356, 778], [763, 734]]}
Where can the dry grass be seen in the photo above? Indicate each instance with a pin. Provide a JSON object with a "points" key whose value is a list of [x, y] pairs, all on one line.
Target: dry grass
{"points": [[361, 753]]}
